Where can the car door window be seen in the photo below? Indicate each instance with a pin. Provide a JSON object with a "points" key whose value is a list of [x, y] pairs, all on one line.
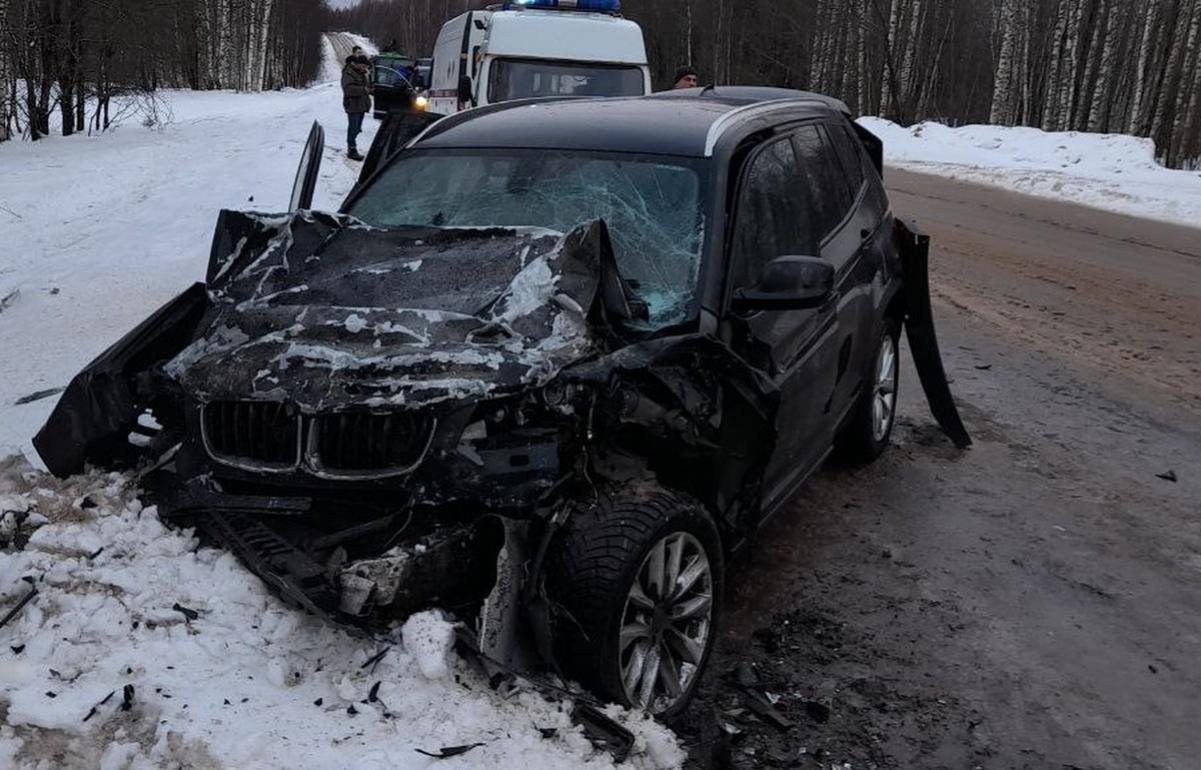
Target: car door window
{"points": [[849, 155], [822, 174], [774, 213]]}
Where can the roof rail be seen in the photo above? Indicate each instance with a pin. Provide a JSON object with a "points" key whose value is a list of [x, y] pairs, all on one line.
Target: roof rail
{"points": [[450, 121], [728, 119]]}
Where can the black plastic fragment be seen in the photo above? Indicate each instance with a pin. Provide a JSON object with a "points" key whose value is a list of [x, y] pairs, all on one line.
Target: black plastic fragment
{"points": [[38, 396], [187, 612], [33, 591], [604, 732], [374, 659], [446, 752], [1167, 476], [747, 683], [127, 697]]}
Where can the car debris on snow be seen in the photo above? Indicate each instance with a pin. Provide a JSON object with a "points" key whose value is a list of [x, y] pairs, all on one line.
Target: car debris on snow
{"points": [[80, 640], [446, 752]]}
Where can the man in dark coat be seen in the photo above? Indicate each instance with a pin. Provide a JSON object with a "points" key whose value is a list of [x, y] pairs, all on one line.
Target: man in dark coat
{"points": [[356, 98]]}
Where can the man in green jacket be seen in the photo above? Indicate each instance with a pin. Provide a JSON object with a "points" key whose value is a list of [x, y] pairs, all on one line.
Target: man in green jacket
{"points": [[356, 98]]}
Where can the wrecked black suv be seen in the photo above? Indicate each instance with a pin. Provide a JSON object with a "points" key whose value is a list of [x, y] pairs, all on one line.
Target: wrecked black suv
{"points": [[549, 364]]}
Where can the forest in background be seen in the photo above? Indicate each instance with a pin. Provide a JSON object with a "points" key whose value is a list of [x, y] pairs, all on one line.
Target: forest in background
{"points": [[88, 61], [1110, 66]]}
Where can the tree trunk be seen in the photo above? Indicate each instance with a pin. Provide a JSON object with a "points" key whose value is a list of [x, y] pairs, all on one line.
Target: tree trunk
{"points": [[1002, 110], [6, 108]]}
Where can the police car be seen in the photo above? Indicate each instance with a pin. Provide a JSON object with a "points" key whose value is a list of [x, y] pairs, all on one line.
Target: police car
{"points": [[533, 48]]}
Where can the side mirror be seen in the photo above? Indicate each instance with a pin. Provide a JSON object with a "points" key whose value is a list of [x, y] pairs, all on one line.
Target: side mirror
{"points": [[306, 173], [789, 283], [465, 89]]}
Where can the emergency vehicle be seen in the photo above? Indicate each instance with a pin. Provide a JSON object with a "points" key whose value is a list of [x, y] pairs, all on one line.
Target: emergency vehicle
{"points": [[532, 48]]}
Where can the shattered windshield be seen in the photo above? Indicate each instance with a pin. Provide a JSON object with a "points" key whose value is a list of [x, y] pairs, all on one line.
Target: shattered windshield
{"points": [[652, 205], [522, 79]]}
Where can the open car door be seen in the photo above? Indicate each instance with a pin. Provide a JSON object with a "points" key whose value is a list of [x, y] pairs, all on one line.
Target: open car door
{"points": [[306, 173], [396, 131]]}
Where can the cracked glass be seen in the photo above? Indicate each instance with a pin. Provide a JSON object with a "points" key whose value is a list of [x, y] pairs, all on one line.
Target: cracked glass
{"points": [[652, 205]]}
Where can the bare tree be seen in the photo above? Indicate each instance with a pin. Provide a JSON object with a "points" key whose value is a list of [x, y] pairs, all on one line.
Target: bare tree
{"points": [[7, 84]]}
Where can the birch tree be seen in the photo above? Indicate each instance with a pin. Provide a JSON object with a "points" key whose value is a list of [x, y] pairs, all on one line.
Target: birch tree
{"points": [[6, 80], [1007, 79]]}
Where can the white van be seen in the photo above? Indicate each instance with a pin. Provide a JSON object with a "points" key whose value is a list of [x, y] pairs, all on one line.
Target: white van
{"points": [[536, 48]]}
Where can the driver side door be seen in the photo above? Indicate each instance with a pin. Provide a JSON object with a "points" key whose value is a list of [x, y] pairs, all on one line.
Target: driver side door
{"points": [[775, 215]]}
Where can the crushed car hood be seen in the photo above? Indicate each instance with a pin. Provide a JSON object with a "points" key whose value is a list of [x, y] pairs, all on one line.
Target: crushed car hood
{"points": [[328, 311]]}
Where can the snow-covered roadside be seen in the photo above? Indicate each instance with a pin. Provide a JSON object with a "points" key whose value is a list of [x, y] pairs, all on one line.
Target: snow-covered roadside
{"points": [[223, 675], [1113, 172], [96, 232]]}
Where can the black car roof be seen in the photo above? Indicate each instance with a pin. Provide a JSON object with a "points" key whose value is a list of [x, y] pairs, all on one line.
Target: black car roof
{"points": [[685, 122]]}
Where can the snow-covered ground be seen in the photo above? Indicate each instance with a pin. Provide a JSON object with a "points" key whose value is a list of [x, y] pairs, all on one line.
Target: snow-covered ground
{"points": [[142, 651], [1106, 171], [96, 232]]}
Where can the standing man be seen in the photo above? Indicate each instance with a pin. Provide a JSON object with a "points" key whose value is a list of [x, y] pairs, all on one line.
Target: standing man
{"points": [[685, 78], [356, 99]]}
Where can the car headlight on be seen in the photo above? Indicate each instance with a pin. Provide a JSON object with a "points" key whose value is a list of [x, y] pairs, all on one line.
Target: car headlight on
{"points": [[421, 103]]}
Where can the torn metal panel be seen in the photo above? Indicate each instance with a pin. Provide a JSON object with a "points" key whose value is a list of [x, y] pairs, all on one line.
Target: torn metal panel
{"points": [[923, 340], [325, 312], [101, 405], [694, 412]]}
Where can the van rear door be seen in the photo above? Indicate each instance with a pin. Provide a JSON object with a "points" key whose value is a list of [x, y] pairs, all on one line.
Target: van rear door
{"points": [[448, 64]]}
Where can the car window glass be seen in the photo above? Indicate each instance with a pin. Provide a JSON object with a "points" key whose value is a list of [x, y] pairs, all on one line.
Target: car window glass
{"points": [[520, 79], [823, 174], [652, 205], [773, 214], [849, 155]]}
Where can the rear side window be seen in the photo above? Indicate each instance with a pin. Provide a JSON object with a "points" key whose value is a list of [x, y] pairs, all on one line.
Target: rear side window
{"points": [[774, 213], [849, 155], [821, 173]]}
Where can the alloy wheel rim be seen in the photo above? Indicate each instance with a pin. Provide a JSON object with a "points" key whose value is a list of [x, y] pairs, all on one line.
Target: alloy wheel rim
{"points": [[885, 396], [666, 623]]}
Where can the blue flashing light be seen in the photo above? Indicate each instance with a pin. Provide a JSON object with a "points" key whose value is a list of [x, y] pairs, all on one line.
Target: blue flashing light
{"points": [[599, 6]]}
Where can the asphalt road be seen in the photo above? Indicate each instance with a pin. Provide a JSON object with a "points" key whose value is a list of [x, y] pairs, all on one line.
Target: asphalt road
{"points": [[1033, 602]]}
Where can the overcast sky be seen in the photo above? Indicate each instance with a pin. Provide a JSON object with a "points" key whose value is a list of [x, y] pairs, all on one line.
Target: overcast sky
{"points": [[343, 3]]}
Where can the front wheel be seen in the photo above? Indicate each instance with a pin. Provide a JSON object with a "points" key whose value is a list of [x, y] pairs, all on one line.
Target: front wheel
{"points": [[867, 435], [638, 579]]}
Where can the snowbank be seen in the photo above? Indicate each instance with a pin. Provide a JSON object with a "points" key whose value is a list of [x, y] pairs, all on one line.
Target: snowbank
{"points": [[1106, 171], [141, 650]]}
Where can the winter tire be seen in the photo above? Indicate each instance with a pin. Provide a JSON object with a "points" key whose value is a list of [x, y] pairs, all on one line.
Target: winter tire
{"points": [[637, 581], [867, 434]]}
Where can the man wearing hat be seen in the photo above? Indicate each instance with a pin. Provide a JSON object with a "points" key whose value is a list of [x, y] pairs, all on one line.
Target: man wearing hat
{"points": [[685, 78], [356, 98]]}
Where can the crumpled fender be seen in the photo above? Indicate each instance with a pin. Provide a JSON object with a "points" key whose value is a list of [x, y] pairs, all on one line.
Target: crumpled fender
{"points": [[919, 326], [100, 407]]}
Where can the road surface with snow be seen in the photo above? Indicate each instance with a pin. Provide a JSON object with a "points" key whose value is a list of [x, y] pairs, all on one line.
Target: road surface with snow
{"points": [[1032, 602], [1029, 603]]}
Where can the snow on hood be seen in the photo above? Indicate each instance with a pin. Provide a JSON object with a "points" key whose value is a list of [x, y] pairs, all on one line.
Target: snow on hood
{"points": [[330, 311], [222, 674]]}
